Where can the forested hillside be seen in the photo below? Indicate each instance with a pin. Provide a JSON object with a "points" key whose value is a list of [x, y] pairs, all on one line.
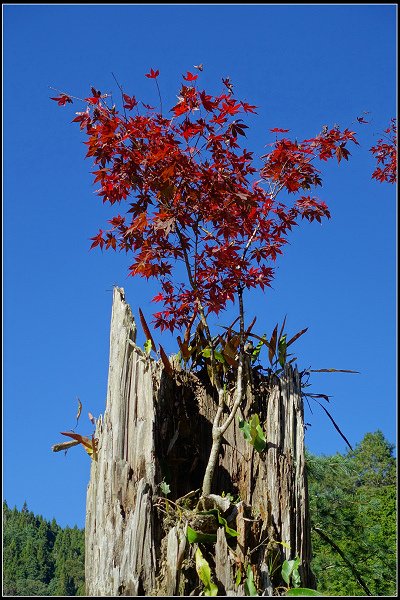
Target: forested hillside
{"points": [[39, 557], [352, 501]]}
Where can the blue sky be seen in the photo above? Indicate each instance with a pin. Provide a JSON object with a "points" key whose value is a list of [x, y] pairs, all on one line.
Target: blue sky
{"points": [[303, 66]]}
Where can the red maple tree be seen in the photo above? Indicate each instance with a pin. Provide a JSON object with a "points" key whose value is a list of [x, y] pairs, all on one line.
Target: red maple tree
{"points": [[193, 195]]}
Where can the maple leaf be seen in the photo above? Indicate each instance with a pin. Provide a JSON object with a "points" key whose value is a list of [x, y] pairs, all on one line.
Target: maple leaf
{"points": [[207, 102], [342, 152], [227, 83], [181, 108], [93, 100], [95, 92], [189, 77], [98, 240], [111, 241], [248, 107], [153, 74], [237, 128], [279, 130], [62, 99], [230, 108], [130, 102], [83, 118]]}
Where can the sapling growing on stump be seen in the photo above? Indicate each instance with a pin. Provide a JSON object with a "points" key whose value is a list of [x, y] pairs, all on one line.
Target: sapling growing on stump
{"points": [[207, 224]]}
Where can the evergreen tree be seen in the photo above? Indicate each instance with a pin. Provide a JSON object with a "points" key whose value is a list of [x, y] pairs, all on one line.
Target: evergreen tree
{"points": [[353, 501]]}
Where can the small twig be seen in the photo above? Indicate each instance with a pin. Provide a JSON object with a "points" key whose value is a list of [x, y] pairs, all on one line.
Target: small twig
{"points": [[122, 95], [65, 94], [159, 95]]}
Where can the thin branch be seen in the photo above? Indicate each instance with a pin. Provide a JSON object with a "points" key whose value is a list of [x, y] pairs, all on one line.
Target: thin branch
{"points": [[122, 95], [219, 430], [159, 95], [201, 309]]}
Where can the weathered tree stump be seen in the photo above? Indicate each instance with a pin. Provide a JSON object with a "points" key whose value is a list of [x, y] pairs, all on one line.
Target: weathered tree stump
{"points": [[157, 428]]}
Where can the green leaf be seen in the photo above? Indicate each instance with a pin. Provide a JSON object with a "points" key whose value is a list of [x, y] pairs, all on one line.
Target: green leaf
{"points": [[290, 570], [303, 592], [286, 571], [199, 537], [259, 441], [219, 356], [147, 346], [249, 587], [253, 433], [164, 487], [245, 427], [231, 532], [215, 512], [282, 351], [257, 349], [204, 573]]}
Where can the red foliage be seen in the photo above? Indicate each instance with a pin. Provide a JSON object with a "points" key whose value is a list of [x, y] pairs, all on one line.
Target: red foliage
{"points": [[196, 197], [62, 99], [385, 153]]}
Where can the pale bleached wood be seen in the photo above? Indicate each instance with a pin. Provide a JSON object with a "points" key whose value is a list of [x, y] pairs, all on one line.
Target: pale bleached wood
{"points": [[151, 421], [119, 534]]}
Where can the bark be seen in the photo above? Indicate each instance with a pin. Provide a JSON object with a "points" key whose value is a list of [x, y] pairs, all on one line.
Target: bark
{"points": [[159, 428]]}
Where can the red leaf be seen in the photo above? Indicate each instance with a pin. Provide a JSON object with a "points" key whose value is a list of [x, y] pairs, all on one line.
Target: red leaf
{"points": [[153, 74], [248, 107], [227, 83], [130, 102], [98, 240], [180, 108], [165, 361], [146, 329], [295, 337], [342, 152], [184, 348], [76, 436], [62, 99], [278, 130], [96, 93], [92, 100], [190, 77], [272, 344], [282, 329]]}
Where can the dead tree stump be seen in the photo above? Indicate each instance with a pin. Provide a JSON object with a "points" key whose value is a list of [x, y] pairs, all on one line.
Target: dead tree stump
{"points": [[157, 428]]}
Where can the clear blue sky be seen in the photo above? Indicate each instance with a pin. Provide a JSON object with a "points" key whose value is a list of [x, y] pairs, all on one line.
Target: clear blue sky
{"points": [[303, 66]]}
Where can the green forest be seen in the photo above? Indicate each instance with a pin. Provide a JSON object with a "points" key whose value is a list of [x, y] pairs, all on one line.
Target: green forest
{"points": [[353, 517]]}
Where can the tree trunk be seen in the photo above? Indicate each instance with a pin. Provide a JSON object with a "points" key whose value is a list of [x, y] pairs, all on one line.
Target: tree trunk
{"points": [[158, 428]]}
